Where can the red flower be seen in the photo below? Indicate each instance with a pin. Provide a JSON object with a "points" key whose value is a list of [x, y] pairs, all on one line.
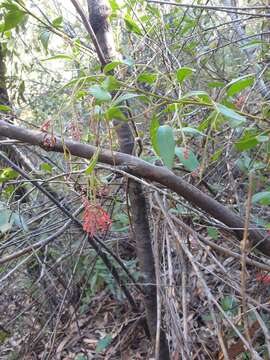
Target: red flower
{"points": [[263, 278], [95, 218]]}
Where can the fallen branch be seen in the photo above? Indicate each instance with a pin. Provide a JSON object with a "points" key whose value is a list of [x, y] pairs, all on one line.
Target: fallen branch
{"points": [[142, 169]]}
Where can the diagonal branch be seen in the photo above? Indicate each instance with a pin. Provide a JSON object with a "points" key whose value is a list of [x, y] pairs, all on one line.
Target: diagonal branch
{"points": [[142, 169]]}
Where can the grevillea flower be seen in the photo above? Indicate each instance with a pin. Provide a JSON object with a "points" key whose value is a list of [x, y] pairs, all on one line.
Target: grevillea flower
{"points": [[263, 278], [95, 218]]}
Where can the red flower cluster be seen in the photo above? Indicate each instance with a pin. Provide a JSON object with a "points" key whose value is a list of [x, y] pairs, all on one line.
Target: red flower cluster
{"points": [[95, 218], [263, 278]]}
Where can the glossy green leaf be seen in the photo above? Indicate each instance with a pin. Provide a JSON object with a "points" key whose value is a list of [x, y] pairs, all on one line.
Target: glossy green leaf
{"points": [[115, 113], [103, 343], [111, 66], [166, 145], [147, 78], [92, 163], [234, 118], [262, 198], [183, 73], [187, 158], [100, 94], [125, 97], [131, 25], [239, 84], [153, 133], [13, 18]]}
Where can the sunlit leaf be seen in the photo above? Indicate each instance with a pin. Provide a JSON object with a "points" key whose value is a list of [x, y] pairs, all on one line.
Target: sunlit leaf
{"points": [[183, 73], [239, 84], [13, 18], [131, 25], [5, 108], [57, 22]]}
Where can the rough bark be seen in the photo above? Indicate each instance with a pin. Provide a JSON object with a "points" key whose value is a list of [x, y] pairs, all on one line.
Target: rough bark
{"points": [[99, 11], [143, 169]]}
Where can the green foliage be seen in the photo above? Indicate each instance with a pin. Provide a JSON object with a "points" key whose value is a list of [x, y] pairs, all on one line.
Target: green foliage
{"points": [[239, 84], [183, 73], [166, 145], [103, 343], [187, 158], [262, 197]]}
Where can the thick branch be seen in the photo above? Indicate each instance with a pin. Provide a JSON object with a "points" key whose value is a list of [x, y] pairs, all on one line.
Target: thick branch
{"points": [[144, 170]]}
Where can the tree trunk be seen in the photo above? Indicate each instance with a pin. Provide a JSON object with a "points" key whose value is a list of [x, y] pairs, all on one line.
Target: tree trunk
{"points": [[99, 12]]}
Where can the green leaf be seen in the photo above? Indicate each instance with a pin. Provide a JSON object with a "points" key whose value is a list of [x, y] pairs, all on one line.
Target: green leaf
{"points": [[115, 113], [7, 174], [110, 83], [235, 119], [183, 73], [100, 94], [103, 343], [228, 303], [46, 167], [201, 95], [111, 66], [239, 84], [57, 57], [92, 163], [6, 220], [262, 197], [125, 97], [44, 38], [215, 84], [131, 25], [58, 21], [187, 158], [248, 141], [153, 133], [147, 78], [5, 108], [192, 131], [13, 18], [166, 145], [213, 232]]}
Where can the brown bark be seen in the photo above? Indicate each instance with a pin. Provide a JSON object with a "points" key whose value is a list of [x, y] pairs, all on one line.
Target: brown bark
{"points": [[99, 12], [142, 169]]}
